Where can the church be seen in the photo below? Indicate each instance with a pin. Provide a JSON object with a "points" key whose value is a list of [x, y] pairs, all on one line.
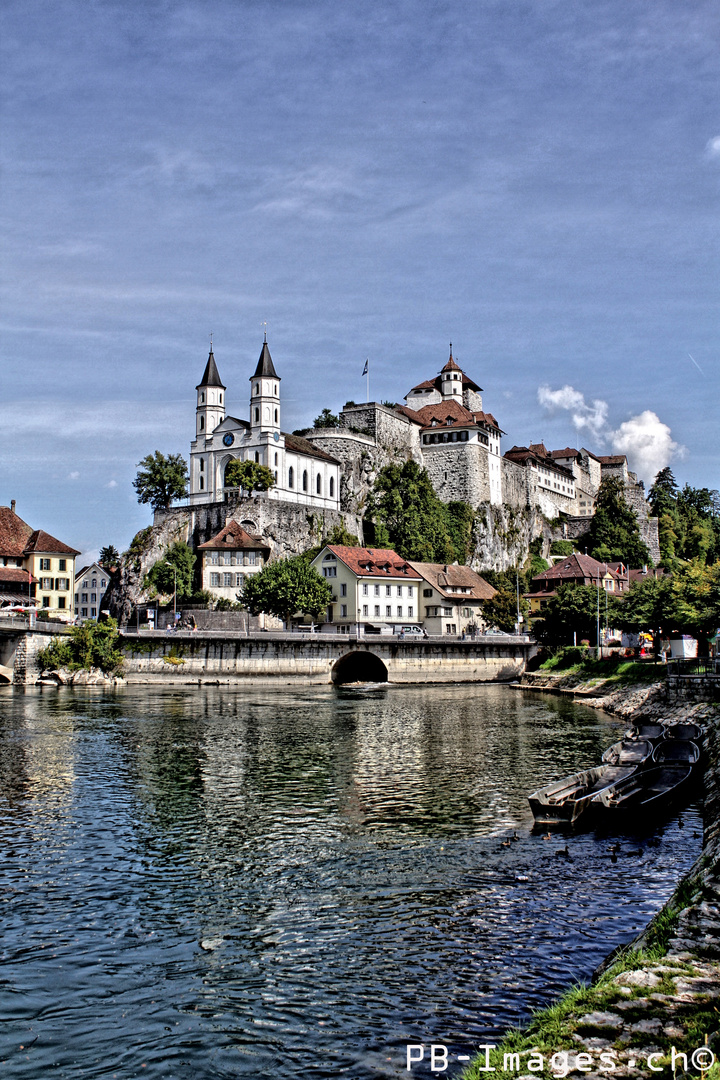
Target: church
{"points": [[304, 474]]}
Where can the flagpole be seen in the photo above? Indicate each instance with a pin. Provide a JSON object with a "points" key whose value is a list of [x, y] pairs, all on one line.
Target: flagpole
{"points": [[367, 379]]}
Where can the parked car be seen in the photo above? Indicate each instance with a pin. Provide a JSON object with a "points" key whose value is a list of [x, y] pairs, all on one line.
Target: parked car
{"points": [[410, 631], [370, 628]]}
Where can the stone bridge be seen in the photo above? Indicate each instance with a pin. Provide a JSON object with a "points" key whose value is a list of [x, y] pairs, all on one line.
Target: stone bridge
{"points": [[19, 647], [222, 657]]}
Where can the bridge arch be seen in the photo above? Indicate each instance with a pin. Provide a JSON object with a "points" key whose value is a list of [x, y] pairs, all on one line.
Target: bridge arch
{"points": [[359, 667]]}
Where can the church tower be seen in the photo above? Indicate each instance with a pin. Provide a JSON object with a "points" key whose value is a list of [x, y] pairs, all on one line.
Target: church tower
{"points": [[451, 380], [265, 395], [210, 409]]}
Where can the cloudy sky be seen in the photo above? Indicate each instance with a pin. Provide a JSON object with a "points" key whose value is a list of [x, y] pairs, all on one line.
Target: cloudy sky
{"points": [[535, 181]]}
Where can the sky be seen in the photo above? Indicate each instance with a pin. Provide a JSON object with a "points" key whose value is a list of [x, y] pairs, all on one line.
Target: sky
{"points": [[534, 181]]}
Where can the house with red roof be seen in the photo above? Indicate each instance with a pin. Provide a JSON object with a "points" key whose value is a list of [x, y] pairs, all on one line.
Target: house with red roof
{"points": [[35, 566], [374, 589], [229, 558], [575, 569]]}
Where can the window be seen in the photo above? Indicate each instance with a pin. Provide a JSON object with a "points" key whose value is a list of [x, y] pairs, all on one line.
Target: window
{"points": [[257, 388], [343, 589], [343, 611], [202, 399], [202, 465], [291, 477], [388, 590], [411, 610], [257, 411], [62, 564], [399, 611], [44, 564], [427, 592], [257, 457], [365, 590], [214, 558], [388, 611], [399, 590], [447, 611], [276, 416], [240, 580], [227, 580], [221, 399], [377, 608], [214, 580], [46, 601], [305, 480], [329, 571], [61, 602], [330, 613], [227, 558], [376, 590], [365, 609], [332, 487], [94, 583], [77, 599], [62, 584], [251, 559], [276, 459], [93, 612], [451, 628], [202, 483], [318, 484], [84, 598], [46, 583], [410, 590], [83, 612], [93, 597], [103, 582]]}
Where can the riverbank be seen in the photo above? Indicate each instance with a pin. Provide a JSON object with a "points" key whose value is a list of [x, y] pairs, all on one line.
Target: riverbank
{"points": [[654, 1003]]}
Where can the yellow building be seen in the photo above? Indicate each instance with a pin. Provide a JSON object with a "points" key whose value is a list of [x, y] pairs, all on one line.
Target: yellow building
{"points": [[48, 560]]}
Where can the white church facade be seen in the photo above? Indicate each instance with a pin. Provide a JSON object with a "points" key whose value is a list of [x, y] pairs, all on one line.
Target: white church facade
{"points": [[304, 474]]}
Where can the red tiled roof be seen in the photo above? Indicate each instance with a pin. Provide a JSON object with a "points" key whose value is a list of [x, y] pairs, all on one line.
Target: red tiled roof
{"points": [[41, 542], [410, 413], [297, 445], [612, 459], [575, 567], [14, 533], [566, 453], [443, 577], [522, 454], [427, 384], [451, 365], [441, 410], [487, 418], [9, 573], [373, 562], [234, 536]]}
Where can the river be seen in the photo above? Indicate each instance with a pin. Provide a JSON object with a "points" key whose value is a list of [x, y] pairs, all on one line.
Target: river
{"points": [[214, 883]]}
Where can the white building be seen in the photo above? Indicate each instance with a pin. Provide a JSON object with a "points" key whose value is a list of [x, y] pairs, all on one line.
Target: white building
{"points": [[229, 558], [304, 474], [91, 583], [371, 587]]}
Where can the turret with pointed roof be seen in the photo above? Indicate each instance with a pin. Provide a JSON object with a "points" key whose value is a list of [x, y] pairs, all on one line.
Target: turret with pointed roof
{"points": [[211, 376], [265, 394], [210, 409], [265, 366]]}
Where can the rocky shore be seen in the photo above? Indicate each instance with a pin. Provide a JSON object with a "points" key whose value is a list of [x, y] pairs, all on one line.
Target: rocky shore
{"points": [[654, 1006]]}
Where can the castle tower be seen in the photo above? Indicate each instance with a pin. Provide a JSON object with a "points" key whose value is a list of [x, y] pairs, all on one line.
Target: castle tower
{"points": [[451, 380], [210, 409], [265, 395]]}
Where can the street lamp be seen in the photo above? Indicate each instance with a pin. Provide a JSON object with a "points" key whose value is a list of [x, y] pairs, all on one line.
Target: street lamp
{"points": [[174, 569]]}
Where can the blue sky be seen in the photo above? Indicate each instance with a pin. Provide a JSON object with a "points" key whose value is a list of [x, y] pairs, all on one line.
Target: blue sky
{"points": [[534, 181]]}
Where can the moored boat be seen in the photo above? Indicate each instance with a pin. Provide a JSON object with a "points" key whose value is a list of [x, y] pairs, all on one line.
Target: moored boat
{"points": [[628, 752], [645, 791], [676, 750], [564, 801], [651, 732], [683, 731]]}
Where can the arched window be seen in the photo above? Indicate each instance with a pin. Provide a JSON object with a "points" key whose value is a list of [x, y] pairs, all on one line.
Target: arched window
{"points": [[202, 422], [332, 487], [291, 476], [202, 482], [275, 390], [276, 459], [202, 464], [257, 415], [276, 476], [257, 457], [221, 399], [305, 480], [318, 484], [202, 398], [276, 416], [257, 388]]}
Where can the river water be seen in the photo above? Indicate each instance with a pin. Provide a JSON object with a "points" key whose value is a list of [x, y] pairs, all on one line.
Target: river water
{"points": [[210, 883]]}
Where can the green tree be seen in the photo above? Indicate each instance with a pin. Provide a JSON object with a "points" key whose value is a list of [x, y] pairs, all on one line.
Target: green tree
{"points": [[326, 419], [286, 587], [408, 516], [501, 609], [161, 479], [109, 557], [614, 532], [92, 645], [573, 610], [249, 476], [176, 565], [338, 535]]}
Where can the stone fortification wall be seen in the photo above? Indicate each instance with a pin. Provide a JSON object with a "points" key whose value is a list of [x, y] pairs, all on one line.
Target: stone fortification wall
{"points": [[390, 429], [459, 471], [515, 489], [503, 536]]}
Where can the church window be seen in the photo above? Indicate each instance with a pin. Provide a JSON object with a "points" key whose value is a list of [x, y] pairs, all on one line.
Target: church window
{"points": [[202, 422], [276, 476], [332, 487], [257, 415], [257, 457], [305, 480], [202, 465], [202, 482], [257, 388], [276, 463], [318, 484], [291, 476], [202, 399], [221, 399], [276, 416]]}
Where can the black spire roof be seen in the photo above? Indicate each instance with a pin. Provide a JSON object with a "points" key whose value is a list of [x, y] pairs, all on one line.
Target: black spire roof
{"points": [[265, 365], [211, 377]]}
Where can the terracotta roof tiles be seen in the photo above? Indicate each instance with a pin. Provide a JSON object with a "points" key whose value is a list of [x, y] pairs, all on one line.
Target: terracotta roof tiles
{"points": [[447, 578], [234, 536], [374, 562]]}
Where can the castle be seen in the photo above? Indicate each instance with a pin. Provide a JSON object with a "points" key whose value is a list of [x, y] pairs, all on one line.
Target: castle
{"points": [[441, 425]]}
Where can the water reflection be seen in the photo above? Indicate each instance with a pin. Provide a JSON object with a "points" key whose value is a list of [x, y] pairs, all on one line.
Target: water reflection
{"points": [[217, 883]]}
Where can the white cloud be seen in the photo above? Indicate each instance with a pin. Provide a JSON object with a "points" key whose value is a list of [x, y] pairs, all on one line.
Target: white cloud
{"points": [[713, 147], [648, 444], [112, 484], [74, 475], [592, 416]]}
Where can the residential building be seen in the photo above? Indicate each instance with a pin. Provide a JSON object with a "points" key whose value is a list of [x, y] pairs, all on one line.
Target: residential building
{"points": [[552, 479], [229, 558], [304, 474], [48, 564], [372, 587], [576, 569], [452, 598], [91, 583]]}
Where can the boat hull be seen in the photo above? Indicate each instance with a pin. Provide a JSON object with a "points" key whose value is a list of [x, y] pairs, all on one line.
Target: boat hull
{"points": [[565, 801], [649, 791]]}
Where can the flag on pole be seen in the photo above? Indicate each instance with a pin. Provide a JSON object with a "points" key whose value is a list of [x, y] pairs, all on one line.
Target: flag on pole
{"points": [[365, 369]]}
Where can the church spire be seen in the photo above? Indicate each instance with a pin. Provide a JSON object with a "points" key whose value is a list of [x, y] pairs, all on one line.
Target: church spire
{"points": [[211, 376], [265, 367]]}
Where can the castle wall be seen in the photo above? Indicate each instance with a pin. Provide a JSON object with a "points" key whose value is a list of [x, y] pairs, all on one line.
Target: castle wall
{"points": [[459, 471]]}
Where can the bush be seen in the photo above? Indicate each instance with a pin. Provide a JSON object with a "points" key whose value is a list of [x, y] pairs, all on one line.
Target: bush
{"points": [[562, 547], [92, 645]]}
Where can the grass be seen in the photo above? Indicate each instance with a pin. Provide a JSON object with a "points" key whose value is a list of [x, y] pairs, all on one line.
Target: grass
{"points": [[576, 664]]}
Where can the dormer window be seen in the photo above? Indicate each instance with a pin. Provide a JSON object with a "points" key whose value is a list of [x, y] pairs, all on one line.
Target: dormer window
{"points": [[329, 558]]}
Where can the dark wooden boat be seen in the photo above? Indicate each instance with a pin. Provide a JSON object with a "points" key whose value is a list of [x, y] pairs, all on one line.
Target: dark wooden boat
{"points": [[651, 732], [646, 791], [676, 750], [683, 731], [564, 801], [628, 752]]}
